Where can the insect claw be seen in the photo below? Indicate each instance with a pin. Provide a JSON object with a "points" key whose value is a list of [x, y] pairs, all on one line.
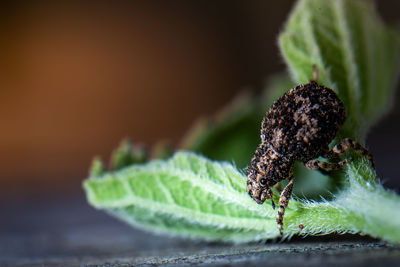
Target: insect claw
{"points": [[269, 192], [273, 204], [280, 230]]}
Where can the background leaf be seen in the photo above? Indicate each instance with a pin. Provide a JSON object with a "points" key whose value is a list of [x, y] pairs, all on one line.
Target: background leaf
{"points": [[126, 154], [356, 55], [234, 133]]}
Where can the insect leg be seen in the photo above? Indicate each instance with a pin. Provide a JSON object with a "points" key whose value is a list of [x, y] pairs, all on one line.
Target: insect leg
{"points": [[345, 145], [269, 192], [283, 202], [323, 166]]}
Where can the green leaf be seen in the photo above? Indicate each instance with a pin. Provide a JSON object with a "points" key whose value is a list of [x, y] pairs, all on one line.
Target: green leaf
{"points": [[355, 53], [191, 196], [187, 195]]}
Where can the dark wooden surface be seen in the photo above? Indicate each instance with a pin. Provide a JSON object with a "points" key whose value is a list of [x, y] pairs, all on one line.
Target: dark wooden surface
{"points": [[64, 231]]}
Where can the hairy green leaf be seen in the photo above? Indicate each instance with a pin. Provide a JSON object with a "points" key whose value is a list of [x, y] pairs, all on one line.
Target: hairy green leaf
{"points": [[355, 54], [187, 195], [191, 196]]}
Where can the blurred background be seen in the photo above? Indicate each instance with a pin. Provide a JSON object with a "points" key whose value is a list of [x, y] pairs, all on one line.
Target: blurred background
{"points": [[77, 77]]}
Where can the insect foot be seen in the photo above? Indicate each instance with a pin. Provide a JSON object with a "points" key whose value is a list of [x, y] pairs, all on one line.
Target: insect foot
{"points": [[299, 126]]}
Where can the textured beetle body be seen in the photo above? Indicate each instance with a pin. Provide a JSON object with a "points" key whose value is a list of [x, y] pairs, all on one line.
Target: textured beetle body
{"points": [[298, 127], [302, 123]]}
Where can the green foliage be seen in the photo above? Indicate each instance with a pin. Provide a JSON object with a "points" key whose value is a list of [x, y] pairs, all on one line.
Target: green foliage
{"points": [[127, 154], [355, 53], [97, 168], [232, 135], [191, 196], [186, 195]]}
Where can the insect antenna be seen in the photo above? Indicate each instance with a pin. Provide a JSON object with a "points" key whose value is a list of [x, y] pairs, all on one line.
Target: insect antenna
{"points": [[315, 73]]}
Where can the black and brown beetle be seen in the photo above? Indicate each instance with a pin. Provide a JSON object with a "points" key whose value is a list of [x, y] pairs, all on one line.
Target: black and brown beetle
{"points": [[299, 126]]}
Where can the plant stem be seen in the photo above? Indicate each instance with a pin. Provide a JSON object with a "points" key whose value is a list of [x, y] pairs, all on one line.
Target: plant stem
{"points": [[364, 207]]}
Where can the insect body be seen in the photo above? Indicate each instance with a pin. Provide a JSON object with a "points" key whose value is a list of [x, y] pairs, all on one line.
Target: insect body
{"points": [[298, 127]]}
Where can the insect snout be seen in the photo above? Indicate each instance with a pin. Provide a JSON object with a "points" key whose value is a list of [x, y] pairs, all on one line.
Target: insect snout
{"points": [[257, 193], [256, 188]]}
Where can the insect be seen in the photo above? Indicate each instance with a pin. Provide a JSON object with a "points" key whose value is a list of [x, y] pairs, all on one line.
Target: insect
{"points": [[299, 126]]}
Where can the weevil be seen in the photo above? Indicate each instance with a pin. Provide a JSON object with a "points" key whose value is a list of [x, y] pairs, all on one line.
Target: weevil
{"points": [[299, 126]]}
